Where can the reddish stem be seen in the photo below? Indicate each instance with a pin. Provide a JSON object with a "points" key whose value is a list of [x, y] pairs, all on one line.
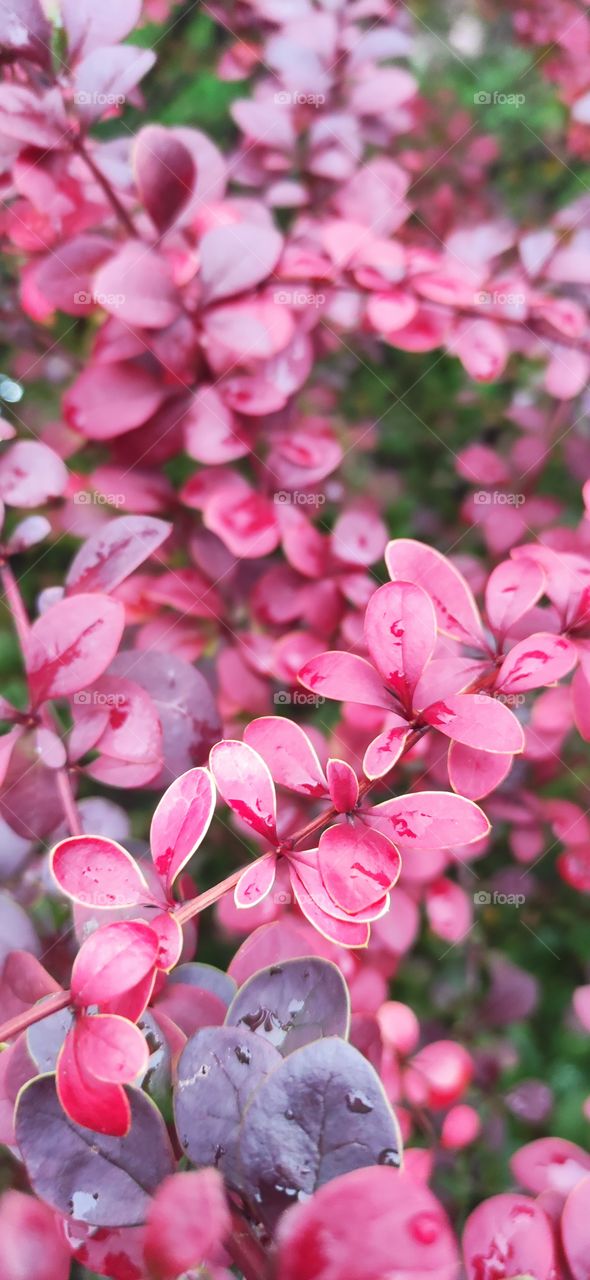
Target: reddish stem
{"points": [[246, 1251], [43, 1009], [187, 910], [22, 628], [124, 218]]}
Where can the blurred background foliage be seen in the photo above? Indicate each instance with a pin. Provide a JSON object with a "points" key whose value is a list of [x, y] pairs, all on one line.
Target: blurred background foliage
{"points": [[427, 410]]}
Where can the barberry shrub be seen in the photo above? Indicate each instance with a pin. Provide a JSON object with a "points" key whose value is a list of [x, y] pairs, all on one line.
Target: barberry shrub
{"points": [[295, 560]]}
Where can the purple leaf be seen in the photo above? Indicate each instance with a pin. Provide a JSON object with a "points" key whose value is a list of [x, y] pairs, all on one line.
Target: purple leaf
{"points": [[218, 1071], [165, 173], [321, 1113], [293, 1003], [103, 1181], [185, 705], [207, 978]]}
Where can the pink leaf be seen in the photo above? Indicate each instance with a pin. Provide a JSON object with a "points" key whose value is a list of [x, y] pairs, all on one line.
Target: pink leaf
{"points": [[358, 866], [237, 257], [107, 74], [289, 754], [476, 721], [110, 1048], [575, 1230], [341, 931], [246, 522], [514, 1227], [70, 645], [512, 589], [429, 820], [343, 785], [318, 1238], [474, 773], [449, 910], [98, 872], [115, 551], [482, 348], [211, 429], [165, 173], [386, 748], [347, 678], [112, 961], [256, 882], [107, 400], [32, 1240], [89, 26], [550, 1164], [245, 782], [135, 285], [456, 610], [31, 474], [400, 631], [540, 660], [187, 1223], [180, 823]]}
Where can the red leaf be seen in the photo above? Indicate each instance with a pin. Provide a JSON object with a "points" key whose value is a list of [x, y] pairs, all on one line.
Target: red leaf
{"points": [[104, 1108], [71, 644], [110, 1048], [112, 961]]}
